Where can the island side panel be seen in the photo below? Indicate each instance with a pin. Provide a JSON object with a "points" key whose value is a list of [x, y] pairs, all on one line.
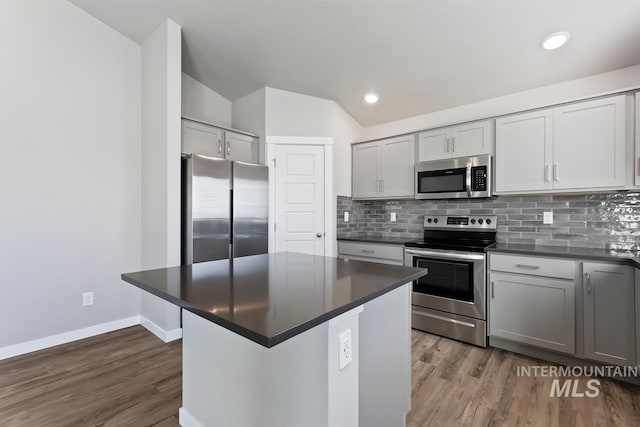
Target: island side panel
{"points": [[385, 359], [229, 380]]}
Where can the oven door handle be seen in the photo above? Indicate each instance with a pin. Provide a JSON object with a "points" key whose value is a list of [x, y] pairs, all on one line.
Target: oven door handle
{"points": [[469, 179], [447, 255]]}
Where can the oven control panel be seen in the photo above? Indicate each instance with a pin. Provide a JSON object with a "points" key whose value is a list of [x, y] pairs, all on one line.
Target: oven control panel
{"points": [[475, 222]]}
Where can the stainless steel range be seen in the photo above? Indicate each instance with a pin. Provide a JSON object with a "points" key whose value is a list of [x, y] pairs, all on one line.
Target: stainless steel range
{"points": [[451, 299]]}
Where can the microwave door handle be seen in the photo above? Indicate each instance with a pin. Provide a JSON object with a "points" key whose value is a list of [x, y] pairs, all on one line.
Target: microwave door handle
{"points": [[469, 180]]}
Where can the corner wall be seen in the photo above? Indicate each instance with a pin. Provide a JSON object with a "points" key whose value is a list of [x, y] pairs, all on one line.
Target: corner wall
{"points": [[161, 124], [69, 174]]}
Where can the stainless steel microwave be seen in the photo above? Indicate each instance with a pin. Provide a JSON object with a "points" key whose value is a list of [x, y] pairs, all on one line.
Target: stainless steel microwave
{"points": [[464, 178]]}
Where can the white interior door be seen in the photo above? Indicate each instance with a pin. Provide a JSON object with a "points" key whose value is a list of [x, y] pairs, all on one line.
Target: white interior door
{"points": [[299, 199]]}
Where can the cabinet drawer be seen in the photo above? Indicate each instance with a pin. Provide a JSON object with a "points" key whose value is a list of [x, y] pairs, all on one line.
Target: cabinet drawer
{"points": [[371, 250], [536, 266]]}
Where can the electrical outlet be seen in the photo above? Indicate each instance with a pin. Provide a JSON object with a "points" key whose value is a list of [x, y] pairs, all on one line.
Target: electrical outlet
{"points": [[87, 298], [344, 348], [547, 218], [393, 217], [346, 216]]}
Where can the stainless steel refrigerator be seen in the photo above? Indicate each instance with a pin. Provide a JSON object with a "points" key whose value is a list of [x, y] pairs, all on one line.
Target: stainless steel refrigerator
{"points": [[224, 209]]}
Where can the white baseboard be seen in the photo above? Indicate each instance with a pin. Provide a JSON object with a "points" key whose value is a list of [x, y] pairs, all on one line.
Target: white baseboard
{"points": [[187, 420], [66, 337], [166, 336]]}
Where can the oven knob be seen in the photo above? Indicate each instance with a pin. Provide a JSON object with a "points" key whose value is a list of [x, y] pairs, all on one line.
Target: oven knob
{"points": [[473, 221], [480, 221], [435, 220], [429, 220], [488, 221]]}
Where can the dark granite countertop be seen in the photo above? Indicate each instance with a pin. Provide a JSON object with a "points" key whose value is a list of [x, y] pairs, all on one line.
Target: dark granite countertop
{"points": [[598, 254], [372, 238], [270, 298]]}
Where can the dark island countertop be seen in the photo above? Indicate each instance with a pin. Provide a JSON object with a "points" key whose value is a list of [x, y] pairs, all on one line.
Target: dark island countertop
{"points": [[372, 238], [596, 254], [270, 298]]}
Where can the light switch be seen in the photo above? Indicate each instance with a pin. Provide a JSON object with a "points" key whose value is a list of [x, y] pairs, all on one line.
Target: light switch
{"points": [[393, 217], [547, 218], [346, 216]]}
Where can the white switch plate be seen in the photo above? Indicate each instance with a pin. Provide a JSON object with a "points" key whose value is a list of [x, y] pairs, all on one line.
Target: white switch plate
{"points": [[344, 348], [346, 216], [87, 298], [547, 218], [393, 217]]}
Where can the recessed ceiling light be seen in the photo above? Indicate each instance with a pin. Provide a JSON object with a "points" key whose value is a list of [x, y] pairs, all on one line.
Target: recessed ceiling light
{"points": [[555, 40], [371, 98]]}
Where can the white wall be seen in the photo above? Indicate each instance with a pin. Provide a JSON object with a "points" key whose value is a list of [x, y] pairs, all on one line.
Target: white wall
{"points": [[600, 84], [201, 103], [161, 100], [69, 170], [248, 114]]}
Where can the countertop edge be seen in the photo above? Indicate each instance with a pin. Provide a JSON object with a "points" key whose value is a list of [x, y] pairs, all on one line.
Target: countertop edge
{"points": [[540, 251], [399, 242], [262, 340]]}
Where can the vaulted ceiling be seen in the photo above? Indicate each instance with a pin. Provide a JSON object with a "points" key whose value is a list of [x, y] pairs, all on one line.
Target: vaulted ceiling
{"points": [[418, 55]]}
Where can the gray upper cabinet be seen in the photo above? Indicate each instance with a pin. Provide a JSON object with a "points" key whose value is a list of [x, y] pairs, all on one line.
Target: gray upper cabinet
{"points": [[531, 301], [589, 144], [202, 139], [524, 152], [470, 139], [637, 140], [241, 147], [384, 169], [609, 313], [212, 141], [572, 147]]}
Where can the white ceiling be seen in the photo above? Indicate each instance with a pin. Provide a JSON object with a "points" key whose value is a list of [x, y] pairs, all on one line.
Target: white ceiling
{"points": [[419, 55]]}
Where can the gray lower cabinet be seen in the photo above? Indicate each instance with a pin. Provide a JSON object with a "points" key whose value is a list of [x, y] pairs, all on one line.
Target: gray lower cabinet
{"points": [[609, 313], [534, 310], [374, 252]]}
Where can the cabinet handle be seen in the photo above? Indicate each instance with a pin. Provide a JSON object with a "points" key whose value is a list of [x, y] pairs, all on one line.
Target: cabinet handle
{"points": [[547, 177], [587, 276], [367, 251], [219, 146], [531, 267], [446, 140], [228, 149], [382, 185], [378, 185], [556, 172], [453, 144], [493, 287]]}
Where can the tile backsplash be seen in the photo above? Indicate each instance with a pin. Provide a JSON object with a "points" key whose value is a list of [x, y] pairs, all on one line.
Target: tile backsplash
{"points": [[609, 221]]}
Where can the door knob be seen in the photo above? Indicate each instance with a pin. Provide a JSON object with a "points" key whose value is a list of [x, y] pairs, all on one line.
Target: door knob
{"points": [[319, 234]]}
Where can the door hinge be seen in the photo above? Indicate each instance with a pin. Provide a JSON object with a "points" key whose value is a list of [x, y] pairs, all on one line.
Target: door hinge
{"points": [[274, 226], [274, 162]]}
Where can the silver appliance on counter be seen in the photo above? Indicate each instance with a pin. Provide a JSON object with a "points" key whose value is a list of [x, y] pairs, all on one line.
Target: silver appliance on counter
{"points": [[451, 299], [224, 209], [464, 177]]}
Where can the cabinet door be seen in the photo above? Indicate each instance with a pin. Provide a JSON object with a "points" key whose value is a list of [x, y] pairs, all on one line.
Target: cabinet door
{"points": [[397, 164], [589, 144], [198, 138], [434, 145], [636, 163], [365, 181], [609, 318], [472, 139], [240, 147], [524, 152], [538, 311]]}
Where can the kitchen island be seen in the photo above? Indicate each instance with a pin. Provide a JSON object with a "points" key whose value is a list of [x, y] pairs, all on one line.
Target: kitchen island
{"points": [[261, 340]]}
